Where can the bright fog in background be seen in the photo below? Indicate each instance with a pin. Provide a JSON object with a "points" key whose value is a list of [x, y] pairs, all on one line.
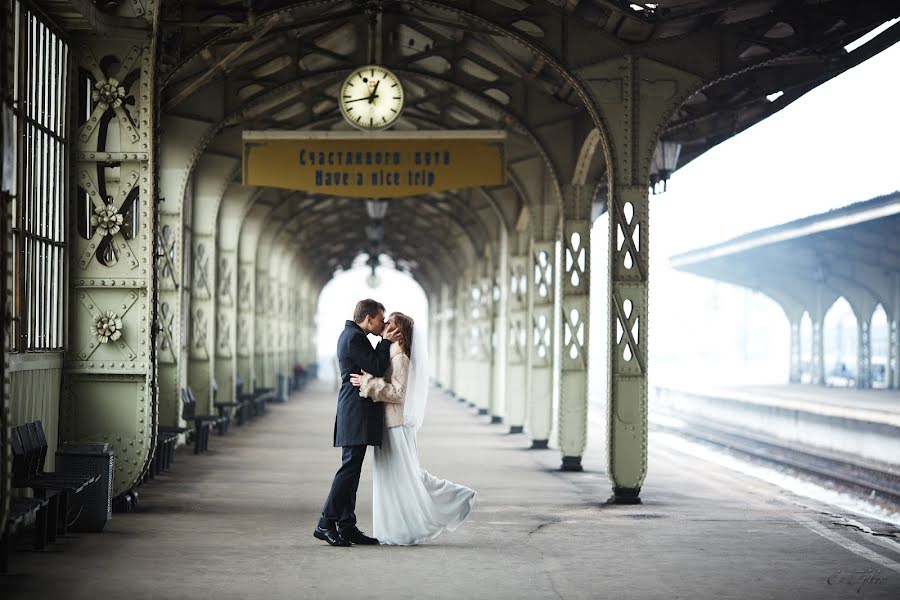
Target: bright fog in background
{"points": [[396, 290], [832, 147]]}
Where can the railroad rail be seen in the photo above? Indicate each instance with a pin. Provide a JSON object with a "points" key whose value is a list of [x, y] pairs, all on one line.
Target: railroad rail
{"points": [[875, 481]]}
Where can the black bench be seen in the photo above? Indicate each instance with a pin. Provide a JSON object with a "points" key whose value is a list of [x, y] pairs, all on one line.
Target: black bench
{"points": [[240, 407], [256, 400], [166, 439], [20, 509], [203, 424], [29, 446]]}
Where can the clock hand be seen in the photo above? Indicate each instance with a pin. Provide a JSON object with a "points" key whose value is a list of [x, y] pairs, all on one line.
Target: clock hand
{"points": [[372, 96], [369, 98]]}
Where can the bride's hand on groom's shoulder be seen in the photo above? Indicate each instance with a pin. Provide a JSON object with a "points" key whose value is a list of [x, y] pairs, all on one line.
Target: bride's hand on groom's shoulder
{"points": [[356, 380]]}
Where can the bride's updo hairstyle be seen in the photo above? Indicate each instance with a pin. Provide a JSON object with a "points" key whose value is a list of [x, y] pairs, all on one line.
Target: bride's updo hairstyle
{"points": [[405, 325]]}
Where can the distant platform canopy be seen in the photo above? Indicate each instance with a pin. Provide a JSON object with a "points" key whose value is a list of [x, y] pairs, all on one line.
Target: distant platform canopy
{"points": [[807, 264]]}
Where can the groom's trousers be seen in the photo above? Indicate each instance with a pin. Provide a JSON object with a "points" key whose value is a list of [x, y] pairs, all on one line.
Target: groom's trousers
{"points": [[340, 507]]}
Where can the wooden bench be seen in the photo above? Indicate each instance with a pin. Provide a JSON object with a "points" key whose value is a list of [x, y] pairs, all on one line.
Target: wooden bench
{"points": [[29, 446]]}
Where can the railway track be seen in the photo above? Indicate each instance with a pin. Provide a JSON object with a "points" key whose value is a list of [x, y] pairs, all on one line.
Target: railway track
{"points": [[875, 482]]}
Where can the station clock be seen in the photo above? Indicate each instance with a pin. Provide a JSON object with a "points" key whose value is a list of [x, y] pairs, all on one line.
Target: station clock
{"points": [[371, 98]]}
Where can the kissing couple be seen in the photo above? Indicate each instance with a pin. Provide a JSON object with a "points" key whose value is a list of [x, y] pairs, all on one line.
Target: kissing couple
{"points": [[381, 403]]}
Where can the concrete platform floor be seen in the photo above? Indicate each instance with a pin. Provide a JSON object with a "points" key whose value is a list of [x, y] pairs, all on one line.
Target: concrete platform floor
{"points": [[237, 523]]}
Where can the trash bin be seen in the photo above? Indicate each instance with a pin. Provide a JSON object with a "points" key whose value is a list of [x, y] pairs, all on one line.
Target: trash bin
{"points": [[282, 389], [93, 506]]}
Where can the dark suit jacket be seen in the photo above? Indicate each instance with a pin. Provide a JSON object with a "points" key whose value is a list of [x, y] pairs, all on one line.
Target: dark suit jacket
{"points": [[359, 421]]}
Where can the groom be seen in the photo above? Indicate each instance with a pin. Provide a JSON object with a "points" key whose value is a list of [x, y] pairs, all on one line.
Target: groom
{"points": [[359, 422]]}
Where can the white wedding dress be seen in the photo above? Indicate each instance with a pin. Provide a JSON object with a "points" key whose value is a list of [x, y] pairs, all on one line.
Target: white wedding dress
{"points": [[411, 506]]}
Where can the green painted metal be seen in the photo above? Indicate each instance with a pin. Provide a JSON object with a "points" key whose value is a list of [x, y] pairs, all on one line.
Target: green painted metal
{"points": [[251, 229], [543, 327], [894, 335], [461, 329], [174, 247], [482, 350], [263, 326], [518, 337], [109, 387], [211, 179], [447, 340], [575, 303], [635, 98], [236, 203], [500, 329]]}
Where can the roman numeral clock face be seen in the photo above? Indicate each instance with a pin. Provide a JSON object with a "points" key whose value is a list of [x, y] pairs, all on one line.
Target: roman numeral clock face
{"points": [[371, 98]]}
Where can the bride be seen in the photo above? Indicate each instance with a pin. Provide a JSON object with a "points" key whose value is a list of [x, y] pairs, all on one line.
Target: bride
{"points": [[410, 505]]}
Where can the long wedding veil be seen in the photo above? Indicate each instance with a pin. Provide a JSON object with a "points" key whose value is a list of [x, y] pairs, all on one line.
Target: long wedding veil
{"points": [[417, 386]]}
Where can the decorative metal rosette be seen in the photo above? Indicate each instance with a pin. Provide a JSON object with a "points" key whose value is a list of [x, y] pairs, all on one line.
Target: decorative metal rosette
{"points": [[108, 93], [107, 218], [107, 327]]}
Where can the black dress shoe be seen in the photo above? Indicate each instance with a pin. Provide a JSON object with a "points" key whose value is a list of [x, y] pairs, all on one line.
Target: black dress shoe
{"points": [[331, 536], [352, 534]]}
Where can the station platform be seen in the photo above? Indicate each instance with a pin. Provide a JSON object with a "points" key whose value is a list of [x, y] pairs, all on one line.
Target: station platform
{"points": [[873, 405], [864, 423], [237, 523]]}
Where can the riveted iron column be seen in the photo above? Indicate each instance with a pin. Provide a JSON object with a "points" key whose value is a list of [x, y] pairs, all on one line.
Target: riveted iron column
{"points": [[171, 273], [110, 378], [864, 350], [312, 351], [226, 317], [483, 348], [247, 294], [471, 341], [279, 301], [434, 335], [200, 375], [628, 266], [499, 324], [893, 373], [245, 322], [543, 327], [518, 337], [262, 360], [573, 394], [817, 316], [446, 324], [461, 336], [211, 180], [635, 97], [266, 305], [796, 352], [231, 214]]}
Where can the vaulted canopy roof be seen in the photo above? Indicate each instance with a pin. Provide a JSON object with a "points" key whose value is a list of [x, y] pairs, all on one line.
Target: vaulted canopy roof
{"points": [[493, 64]]}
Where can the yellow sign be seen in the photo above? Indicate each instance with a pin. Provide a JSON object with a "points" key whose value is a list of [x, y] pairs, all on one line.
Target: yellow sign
{"points": [[387, 164]]}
